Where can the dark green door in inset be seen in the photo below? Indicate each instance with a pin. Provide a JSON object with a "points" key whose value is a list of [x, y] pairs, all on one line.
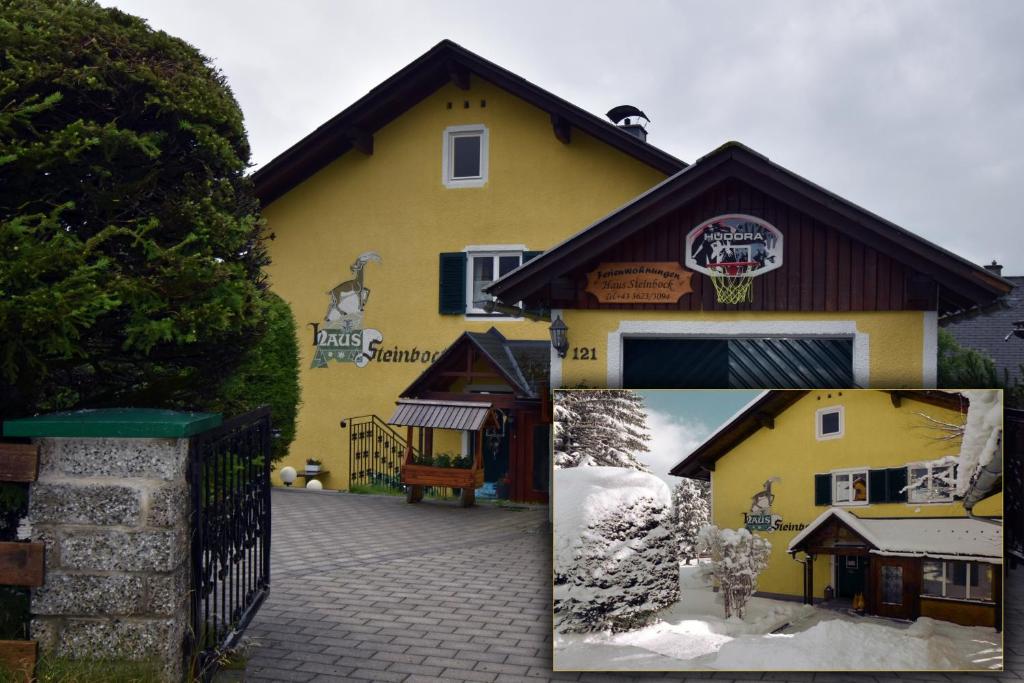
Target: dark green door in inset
{"points": [[850, 573], [738, 363]]}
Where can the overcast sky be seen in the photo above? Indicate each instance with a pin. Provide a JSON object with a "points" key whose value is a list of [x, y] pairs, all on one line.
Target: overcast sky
{"points": [[912, 109]]}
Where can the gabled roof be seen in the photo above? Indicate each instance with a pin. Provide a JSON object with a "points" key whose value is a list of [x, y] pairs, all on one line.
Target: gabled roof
{"points": [[762, 411], [962, 283], [524, 364], [937, 537], [444, 63]]}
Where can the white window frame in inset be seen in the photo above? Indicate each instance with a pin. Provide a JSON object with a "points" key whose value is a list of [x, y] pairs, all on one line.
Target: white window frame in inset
{"points": [[935, 501], [447, 150], [817, 423], [867, 486], [493, 251], [946, 580]]}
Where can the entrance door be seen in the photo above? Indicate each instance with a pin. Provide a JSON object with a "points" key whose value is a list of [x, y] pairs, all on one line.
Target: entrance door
{"points": [[850, 572], [530, 471], [896, 587], [738, 363], [496, 465]]}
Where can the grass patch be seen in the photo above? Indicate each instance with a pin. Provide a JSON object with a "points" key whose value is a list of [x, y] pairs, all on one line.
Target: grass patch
{"points": [[64, 670]]}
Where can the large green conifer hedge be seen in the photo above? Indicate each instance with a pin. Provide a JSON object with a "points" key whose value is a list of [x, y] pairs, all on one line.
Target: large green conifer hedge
{"points": [[130, 239]]}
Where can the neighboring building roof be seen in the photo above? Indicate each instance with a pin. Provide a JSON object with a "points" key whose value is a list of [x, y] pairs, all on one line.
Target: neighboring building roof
{"points": [[524, 364], [444, 63], [762, 411], [460, 415], [985, 330], [954, 538], [962, 284]]}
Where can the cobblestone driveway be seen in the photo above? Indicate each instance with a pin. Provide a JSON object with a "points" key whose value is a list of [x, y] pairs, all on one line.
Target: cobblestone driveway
{"points": [[369, 588]]}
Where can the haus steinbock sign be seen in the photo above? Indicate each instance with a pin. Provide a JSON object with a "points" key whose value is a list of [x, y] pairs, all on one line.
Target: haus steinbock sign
{"points": [[761, 517], [732, 244], [341, 337], [639, 283]]}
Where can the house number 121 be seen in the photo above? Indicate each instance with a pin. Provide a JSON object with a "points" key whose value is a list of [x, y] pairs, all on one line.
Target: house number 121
{"points": [[584, 353]]}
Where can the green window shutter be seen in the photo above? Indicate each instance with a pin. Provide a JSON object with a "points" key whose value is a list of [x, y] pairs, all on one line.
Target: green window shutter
{"points": [[878, 492], [896, 479], [822, 489], [452, 299]]}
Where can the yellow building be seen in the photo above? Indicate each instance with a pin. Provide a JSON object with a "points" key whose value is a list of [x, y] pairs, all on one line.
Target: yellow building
{"points": [[852, 488], [399, 220]]}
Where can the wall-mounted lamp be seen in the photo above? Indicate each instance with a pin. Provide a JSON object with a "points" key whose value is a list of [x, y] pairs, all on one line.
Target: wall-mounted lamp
{"points": [[288, 475], [559, 336], [1017, 331]]}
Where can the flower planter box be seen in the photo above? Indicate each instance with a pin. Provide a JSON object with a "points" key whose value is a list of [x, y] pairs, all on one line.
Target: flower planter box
{"points": [[452, 477]]}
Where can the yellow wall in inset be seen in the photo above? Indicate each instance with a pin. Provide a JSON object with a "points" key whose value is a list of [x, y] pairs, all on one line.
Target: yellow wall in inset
{"points": [[895, 339], [393, 202], [876, 435]]}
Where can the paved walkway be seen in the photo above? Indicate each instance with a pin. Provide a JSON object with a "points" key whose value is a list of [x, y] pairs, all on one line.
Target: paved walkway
{"points": [[369, 588]]}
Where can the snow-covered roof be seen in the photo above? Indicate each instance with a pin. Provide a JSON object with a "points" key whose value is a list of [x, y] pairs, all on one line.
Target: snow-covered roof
{"points": [[938, 537]]}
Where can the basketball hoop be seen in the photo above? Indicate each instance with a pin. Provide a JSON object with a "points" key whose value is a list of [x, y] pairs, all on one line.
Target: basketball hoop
{"points": [[733, 281]]}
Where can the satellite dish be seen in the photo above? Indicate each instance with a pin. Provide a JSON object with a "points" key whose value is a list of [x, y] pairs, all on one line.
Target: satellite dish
{"points": [[616, 114]]}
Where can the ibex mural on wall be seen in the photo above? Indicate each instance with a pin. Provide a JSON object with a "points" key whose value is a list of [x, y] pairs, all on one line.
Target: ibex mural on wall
{"points": [[761, 502], [349, 297]]}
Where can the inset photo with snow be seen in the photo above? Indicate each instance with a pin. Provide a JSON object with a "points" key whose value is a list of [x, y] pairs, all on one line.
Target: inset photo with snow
{"points": [[781, 530]]}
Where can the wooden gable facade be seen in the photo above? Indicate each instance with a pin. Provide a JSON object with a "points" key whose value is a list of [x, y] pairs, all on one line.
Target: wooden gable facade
{"points": [[837, 256]]}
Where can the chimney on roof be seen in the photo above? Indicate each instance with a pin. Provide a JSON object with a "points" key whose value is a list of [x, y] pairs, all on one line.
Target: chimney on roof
{"points": [[994, 268], [627, 117]]}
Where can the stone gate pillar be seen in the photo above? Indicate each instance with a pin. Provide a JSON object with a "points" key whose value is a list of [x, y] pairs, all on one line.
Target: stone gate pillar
{"points": [[111, 505]]}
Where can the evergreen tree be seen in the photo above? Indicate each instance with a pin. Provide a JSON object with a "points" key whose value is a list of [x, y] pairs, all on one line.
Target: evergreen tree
{"points": [[691, 509], [130, 241], [960, 368], [600, 427]]}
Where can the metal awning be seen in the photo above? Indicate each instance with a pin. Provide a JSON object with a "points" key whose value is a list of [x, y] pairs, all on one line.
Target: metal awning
{"points": [[462, 415]]}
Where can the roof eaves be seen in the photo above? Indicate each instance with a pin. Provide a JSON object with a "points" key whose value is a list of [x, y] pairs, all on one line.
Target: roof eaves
{"points": [[271, 181]]}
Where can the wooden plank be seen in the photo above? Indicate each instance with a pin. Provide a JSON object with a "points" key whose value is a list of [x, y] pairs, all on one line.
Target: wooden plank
{"points": [[21, 564], [19, 656], [19, 462], [857, 276]]}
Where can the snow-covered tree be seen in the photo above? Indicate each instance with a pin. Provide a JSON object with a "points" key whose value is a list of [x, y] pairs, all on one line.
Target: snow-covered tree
{"points": [[691, 510], [615, 554], [737, 558], [600, 427]]}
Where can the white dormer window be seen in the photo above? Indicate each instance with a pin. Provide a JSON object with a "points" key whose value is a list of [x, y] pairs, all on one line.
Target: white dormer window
{"points": [[829, 423], [464, 156]]}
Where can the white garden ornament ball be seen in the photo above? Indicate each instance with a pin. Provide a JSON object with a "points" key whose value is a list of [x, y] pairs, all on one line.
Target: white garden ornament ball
{"points": [[314, 485], [288, 475]]}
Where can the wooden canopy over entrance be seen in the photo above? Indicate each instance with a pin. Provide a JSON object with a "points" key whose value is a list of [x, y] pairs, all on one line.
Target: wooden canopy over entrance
{"points": [[485, 381]]}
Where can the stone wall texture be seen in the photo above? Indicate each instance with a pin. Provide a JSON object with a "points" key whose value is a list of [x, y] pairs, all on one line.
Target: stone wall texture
{"points": [[113, 514]]}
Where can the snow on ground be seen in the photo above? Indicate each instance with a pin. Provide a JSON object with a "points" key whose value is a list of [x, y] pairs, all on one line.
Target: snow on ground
{"points": [[692, 634]]}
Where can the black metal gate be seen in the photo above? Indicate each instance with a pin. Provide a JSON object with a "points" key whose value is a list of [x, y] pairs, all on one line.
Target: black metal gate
{"points": [[1013, 485], [229, 473]]}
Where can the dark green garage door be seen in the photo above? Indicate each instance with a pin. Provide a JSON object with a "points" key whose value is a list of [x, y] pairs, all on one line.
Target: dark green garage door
{"points": [[748, 363]]}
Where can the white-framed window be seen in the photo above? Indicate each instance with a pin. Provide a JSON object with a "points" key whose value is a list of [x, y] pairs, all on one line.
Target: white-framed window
{"points": [[483, 268], [829, 423], [957, 580], [850, 487], [930, 483], [464, 156]]}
